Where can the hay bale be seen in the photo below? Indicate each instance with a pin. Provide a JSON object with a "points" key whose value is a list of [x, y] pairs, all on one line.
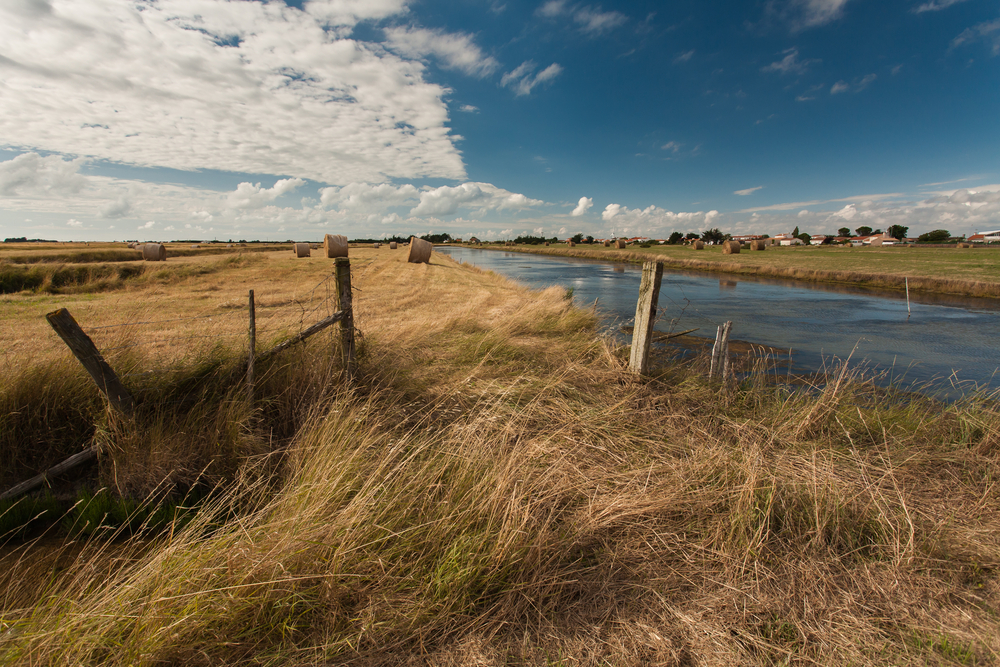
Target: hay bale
{"points": [[420, 251], [607, 244], [731, 248], [154, 252], [392, 245], [195, 245], [335, 245], [758, 244], [301, 250], [698, 245], [546, 243], [620, 244], [376, 245], [570, 244], [964, 245]]}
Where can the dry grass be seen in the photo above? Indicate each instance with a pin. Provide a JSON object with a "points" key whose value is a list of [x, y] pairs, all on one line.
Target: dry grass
{"points": [[499, 490]]}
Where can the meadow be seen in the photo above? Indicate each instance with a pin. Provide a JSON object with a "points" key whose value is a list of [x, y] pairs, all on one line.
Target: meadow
{"points": [[495, 488]]}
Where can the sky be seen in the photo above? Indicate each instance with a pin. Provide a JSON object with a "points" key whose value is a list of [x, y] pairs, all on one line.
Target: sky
{"points": [[243, 119]]}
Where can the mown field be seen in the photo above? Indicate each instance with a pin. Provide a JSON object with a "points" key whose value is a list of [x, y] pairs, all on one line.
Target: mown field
{"points": [[495, 488], [961, 271]]}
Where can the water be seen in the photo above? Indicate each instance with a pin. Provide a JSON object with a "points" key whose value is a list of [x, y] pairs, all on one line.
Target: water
{"points": [[943, 340]]}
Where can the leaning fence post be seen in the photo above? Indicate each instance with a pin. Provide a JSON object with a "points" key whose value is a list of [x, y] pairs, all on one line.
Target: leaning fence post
{"points": [[720, 351], [252, 347], [342, 267], [84, 349], [645, 313]]}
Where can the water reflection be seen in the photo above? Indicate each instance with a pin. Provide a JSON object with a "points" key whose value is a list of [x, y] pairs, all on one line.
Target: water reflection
{"points": [[942, 335]]}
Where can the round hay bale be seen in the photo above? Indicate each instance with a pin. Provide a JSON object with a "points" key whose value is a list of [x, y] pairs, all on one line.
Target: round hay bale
{"points": [[420, 251], [607, 244], [758, 244], [570, 244], [195, 245], [546, 243], [335, 245], [620, 244], [698, 245], [964, 245], [301, 250], [376, 245], [392, 245], [731, 248], [154, 252]]}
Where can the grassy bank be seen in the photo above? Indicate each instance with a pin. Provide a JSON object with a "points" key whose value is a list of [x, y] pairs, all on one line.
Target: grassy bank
{"points": [[965, 272], [498, 489]]}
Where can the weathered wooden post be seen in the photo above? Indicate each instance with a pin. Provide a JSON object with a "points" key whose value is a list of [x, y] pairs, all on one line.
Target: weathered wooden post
{"points": [[645, 314], [342, 266], [84, 349], [720, 351], [252, 348]]}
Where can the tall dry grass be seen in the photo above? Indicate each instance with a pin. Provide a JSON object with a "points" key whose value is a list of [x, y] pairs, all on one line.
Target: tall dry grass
{"points": [[498, 489]]}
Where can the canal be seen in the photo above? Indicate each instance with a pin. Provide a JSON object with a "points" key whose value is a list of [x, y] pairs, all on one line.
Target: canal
{"points": [[951, 342]]}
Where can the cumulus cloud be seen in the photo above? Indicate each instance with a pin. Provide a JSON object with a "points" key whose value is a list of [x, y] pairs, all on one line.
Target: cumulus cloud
{"points": [[73, 223], [468, 108], [582, 206], [248, 195], [748, 191], [366, 198], [32, 174], [455, 51], [118, 208], [148, 225], [447, 200], [247, 86], [522, 78], [790, 64], [654, 220]]}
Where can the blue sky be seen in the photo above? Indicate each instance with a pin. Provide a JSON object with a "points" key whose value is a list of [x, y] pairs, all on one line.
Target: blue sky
{"points": [[209, 119]]}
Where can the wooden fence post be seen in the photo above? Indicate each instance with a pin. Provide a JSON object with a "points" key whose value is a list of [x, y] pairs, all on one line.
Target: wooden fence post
{"points": [[720, 351], [645, 313], [84, 349], [342, 267], [253, 348]]}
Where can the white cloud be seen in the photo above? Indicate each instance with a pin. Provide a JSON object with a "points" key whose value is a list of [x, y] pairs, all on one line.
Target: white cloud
{"points": [[935, 6], [802, 14], [582, 206], [671, 146], [839, 87], [655, 221], [118, 208], [610, 211], [847, 213], [73, 223], [790, 64], [521, 80], [590, 20], [748, 191], [148, 225], [32, 174], [447, 200], [248, 195], [455, 51], [988, 32], [684, 57], [468, 108], [856, 87], [247, 86], [365, 198]]}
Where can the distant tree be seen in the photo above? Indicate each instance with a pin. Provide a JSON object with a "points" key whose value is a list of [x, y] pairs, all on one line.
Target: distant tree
{"points": [[713, 236], [675, 238], [577, 238], [437, 238], [937, 236], [898, 231], [692, 236], [795, 232], [805, 238], [863, 231], [843, 231], [877, 231]]}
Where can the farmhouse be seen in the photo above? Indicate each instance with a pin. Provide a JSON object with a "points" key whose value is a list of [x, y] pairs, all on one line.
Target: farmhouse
{"points": [[985, 237]]}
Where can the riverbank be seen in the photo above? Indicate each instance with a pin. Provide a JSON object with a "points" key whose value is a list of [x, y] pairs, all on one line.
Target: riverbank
{"points": [[970, 272], [498, 489]]}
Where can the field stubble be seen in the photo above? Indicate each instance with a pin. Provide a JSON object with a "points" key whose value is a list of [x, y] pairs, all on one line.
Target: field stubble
{"points": [[498, 489]]}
